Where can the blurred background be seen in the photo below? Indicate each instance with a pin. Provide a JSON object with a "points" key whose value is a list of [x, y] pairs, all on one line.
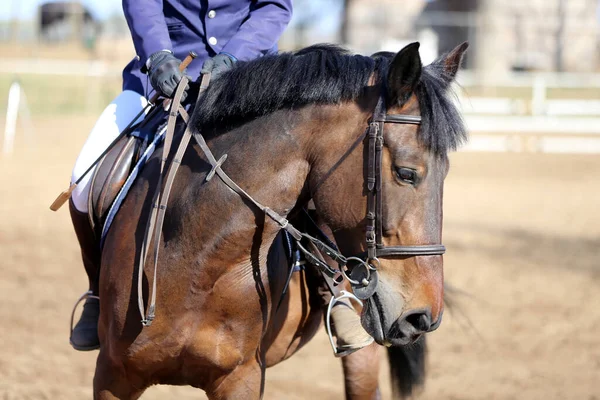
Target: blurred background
{"points": [[522, 224]]}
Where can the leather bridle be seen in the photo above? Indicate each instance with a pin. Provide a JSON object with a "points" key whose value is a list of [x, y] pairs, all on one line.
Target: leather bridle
{"points": [[364, 282], [374, 232]]}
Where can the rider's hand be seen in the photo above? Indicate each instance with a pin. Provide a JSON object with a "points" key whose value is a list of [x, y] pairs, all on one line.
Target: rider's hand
{"points": [[218, 64], [163, 70]]}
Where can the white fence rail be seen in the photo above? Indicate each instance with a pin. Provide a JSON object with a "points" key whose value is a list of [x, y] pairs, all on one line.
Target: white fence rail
{"points": [[573, 107], [568, 126], [536, 123]]}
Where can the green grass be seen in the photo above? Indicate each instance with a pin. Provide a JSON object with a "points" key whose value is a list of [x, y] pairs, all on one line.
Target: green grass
{"points": [[49, 95]]}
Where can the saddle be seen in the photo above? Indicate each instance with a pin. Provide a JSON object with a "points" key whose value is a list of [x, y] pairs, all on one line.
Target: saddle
{"points": [[113, 170]]}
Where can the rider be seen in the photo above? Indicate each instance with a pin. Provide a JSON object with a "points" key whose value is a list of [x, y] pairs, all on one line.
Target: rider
{"points": [[221, 32]]}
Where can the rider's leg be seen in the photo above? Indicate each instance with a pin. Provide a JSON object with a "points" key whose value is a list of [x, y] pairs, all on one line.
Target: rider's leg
{"points": [[112, 121], [85, 334]]}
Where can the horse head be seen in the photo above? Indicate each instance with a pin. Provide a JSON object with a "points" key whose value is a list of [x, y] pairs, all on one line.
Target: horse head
{"points": [[405, 298]]}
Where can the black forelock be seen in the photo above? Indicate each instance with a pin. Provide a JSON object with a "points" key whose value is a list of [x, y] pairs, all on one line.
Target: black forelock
{"points": [[323, 74]]}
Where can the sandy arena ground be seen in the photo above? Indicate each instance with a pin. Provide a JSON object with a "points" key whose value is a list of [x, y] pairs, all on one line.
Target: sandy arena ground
{"points": [[523, 238]]}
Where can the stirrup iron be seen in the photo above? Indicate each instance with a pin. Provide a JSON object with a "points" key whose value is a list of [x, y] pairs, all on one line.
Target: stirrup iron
{"points": [[87, 295], [336, 350]]}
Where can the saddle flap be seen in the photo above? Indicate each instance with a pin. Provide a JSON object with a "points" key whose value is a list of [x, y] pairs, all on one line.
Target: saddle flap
{"points": [[110, 175]]}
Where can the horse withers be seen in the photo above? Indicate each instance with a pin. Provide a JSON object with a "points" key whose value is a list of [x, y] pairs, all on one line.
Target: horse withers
{"points": [[295, 127]]}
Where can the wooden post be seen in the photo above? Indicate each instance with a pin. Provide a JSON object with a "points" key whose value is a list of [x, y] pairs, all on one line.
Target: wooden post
{"points": [[558, 55]]}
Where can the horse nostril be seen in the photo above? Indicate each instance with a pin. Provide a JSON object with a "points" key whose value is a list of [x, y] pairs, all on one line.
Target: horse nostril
{"points": [[419, 319], [411, 325]]}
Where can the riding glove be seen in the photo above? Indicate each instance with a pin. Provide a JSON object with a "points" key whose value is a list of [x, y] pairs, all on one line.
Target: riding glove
{"points": [[218, 64], [163, 70]]}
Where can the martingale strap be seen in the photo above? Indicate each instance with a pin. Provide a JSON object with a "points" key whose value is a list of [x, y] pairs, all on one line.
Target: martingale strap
{"points": [[154, 226], [279, 219], [217, 170]]}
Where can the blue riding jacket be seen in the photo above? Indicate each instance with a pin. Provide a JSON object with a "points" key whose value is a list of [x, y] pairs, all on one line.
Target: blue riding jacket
{"points": [[244, 29]]}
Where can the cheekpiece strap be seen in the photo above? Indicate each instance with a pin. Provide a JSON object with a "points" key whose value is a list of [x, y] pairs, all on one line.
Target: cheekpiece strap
{"points": [[375, 147]]}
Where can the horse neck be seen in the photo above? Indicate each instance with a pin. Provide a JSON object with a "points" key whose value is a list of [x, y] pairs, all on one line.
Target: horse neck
{"points": [[272, 159], [267, 159]]}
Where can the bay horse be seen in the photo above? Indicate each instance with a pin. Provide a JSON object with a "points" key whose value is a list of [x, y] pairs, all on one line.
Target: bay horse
{"points": [[293, 128]]}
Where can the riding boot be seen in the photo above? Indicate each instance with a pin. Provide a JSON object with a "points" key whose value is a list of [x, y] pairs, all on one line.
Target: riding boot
{"points": [[85, 334]]}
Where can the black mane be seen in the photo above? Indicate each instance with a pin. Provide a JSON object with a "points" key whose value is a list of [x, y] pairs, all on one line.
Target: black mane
{"points": [[323, 74]]}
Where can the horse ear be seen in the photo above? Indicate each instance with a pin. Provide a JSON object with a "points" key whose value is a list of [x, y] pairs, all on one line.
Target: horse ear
{"points": [[404, 73], [451, 63]]}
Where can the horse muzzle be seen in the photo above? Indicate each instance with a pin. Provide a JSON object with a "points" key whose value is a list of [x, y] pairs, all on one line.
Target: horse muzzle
{"points": [[406, 329]]}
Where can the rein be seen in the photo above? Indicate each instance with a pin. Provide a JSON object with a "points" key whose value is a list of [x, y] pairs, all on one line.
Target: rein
{"points": [[363, 281], [160, 199]]}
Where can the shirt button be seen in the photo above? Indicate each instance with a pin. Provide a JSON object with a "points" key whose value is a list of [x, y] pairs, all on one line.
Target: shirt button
{"points": [[212, 40], [212, 14]]}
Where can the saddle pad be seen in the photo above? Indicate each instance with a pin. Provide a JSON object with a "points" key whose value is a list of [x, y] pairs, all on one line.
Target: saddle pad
{"points": [[129, 182]]}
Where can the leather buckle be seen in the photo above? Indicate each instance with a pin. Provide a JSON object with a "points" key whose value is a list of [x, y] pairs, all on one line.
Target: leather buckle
{"points": [[370, 236]]}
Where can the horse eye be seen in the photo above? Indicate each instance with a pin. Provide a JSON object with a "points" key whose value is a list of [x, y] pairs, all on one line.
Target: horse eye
{"points": [[407, 175]]}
